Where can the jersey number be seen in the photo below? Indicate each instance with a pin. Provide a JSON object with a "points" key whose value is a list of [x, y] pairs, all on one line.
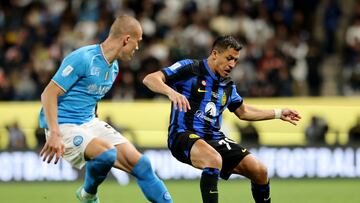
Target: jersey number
{"points": [[226, 142]]}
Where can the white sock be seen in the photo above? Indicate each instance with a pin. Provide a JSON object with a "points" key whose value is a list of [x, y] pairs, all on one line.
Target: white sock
{"points": [[86, 195]]}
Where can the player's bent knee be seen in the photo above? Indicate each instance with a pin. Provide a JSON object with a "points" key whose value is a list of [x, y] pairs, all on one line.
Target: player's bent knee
{"points": [[260, 174], [96, 147], [108, 157], [217, 160], [212, 160]]}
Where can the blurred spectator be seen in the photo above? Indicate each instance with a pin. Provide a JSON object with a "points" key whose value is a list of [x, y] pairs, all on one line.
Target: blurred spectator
{"points": [[352, 39], [351, 56], [123, 130], [330, 21], [248, 134], [316, 131], [17, 140], [354, 133], [297, 49], [314, 78], [35, 35], [40, 137], [125, 90]]}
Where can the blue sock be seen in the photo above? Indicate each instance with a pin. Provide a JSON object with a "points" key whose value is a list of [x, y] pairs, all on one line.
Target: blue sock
{"points": [[261, 193], [152, 187], [97, 170]]}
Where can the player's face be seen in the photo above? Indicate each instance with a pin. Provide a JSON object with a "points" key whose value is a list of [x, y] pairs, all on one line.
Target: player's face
{"points": [[226, 61], [131, 45]]}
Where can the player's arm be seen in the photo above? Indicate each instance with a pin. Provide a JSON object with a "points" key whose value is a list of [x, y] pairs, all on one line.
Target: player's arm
{"points": [[250, 113], [71, 69], [156, 83], [54, 145]]}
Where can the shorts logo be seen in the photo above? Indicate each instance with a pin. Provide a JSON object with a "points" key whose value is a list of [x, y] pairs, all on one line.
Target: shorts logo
{"points": [[193, 136], [78, 139]]}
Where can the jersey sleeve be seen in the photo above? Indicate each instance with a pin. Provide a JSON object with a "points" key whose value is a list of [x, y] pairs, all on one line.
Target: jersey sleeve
{"points": [[178, 71], [235, 100], [71, 69]]}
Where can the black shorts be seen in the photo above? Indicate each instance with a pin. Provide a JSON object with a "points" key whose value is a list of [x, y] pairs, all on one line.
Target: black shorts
{"points": [[231, 152]]}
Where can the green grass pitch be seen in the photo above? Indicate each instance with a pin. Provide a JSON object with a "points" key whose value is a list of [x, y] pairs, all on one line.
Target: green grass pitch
{"points": [[283, 191]]}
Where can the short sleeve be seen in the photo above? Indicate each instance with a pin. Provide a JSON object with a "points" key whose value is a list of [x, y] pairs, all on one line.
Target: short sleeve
{"points": [[71, 69], [235, 100], [178, 71]]}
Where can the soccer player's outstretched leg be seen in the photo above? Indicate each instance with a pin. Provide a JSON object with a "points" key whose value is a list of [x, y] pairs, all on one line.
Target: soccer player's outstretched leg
{"points": [[72, 128], [200, 91]]}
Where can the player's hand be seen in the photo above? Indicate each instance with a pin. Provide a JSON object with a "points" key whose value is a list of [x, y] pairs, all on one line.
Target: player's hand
{"points": [[180, 102], [290, 116], [54, 146]]}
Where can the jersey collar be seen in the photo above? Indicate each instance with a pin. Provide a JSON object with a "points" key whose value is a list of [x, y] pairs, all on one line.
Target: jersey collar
{"points": [[102, 53]]}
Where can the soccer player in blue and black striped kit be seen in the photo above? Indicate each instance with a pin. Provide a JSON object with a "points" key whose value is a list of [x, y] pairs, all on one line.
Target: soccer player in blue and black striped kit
{"points": [[72, 129], [200, 90]]}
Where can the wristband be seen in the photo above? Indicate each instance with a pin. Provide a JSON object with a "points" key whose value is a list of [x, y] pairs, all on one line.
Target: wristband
{"points": [[277, 113]]}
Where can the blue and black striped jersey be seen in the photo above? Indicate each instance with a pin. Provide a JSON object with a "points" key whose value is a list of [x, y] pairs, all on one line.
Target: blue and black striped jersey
{"points": [[208, 95]]}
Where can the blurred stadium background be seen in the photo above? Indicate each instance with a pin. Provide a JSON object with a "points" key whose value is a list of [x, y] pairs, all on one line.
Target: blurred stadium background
{"points": [[299, 54]]}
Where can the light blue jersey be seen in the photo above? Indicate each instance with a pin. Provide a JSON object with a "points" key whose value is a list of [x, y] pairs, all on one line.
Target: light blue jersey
{"points": [[86, 77]]}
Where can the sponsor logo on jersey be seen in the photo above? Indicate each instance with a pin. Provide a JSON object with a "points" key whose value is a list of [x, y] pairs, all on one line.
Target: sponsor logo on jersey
{"points": [[201, 115], [210, 109], [101, 90]]}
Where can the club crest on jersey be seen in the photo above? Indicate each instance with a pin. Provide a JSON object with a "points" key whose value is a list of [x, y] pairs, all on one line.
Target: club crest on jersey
{"points": [[223, 99], [67, 70], [203, 82], [78, 140], [210, 109]]}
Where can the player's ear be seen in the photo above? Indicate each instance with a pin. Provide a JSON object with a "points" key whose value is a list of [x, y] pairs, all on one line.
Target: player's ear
{"points": [[214, 53], [126, 40]]}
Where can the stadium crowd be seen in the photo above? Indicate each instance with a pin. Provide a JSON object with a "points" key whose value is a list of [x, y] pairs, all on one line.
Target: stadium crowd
{"points": [[286, 42]]}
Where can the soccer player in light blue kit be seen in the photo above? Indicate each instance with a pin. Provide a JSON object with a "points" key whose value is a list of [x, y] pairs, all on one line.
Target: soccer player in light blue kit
{"points": [[73, 131]]}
